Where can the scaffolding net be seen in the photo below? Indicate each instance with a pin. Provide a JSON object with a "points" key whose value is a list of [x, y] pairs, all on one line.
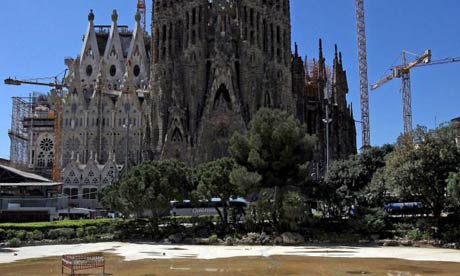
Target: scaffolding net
{"points": [[19, 135]]}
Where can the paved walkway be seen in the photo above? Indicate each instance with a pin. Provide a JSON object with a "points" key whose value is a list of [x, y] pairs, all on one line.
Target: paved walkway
{"points": [[139, 251]]}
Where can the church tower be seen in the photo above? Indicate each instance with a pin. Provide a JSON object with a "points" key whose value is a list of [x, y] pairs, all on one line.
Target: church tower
{"points": [[215, 63]]}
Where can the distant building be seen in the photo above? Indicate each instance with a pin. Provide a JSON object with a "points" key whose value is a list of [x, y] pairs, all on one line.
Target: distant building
{"points": [[82, 182], [32, 133], [28, 197]]}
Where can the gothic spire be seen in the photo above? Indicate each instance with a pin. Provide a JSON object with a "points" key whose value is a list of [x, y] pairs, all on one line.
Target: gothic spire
{"points": [[320, 49]]}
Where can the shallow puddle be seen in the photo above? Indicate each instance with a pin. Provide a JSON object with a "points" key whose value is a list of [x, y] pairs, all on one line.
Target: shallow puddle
{"points": [[188, 264]]}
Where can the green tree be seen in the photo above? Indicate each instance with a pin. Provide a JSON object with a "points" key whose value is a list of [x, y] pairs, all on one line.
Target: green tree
{"points": [[278, 149], [214, 182], [349, 182], [453, 188], [421, 171], [148, 188]]}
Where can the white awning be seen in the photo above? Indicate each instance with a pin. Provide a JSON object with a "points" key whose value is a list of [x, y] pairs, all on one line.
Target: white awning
{"points": [[25, 174], [37, 184]]}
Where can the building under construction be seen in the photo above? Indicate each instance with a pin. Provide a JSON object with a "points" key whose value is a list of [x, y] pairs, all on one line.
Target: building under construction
{"points": [[32, 133], [204, 72]]}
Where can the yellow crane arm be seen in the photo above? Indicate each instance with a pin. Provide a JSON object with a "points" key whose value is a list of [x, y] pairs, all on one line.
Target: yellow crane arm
{"points": [[382, 81], [425, 58], [399, 70], [10, 81]]}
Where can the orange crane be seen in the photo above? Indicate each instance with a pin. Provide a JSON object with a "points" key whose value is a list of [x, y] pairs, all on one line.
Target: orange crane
{"points": [[403, 72], [56, 173]]}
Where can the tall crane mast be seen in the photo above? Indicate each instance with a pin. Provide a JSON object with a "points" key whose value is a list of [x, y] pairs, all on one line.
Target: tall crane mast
{"points": [[56, 170], [403, 72], [363, 78]]}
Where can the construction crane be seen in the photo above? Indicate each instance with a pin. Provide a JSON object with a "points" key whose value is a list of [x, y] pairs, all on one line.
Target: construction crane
{"points": [[56, 171], [363, 78], [403, 72]]}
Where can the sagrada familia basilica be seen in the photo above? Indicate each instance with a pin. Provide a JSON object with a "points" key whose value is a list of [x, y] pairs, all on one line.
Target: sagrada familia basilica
{"points": [[182, 90]]}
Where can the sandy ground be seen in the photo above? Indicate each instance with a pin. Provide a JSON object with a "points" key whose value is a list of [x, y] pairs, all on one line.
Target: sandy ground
{"points": [[246, 266], [141, 251]]}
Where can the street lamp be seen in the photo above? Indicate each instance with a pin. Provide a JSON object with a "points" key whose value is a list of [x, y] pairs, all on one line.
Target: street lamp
{"points": [[327, 121], [127, 126]]}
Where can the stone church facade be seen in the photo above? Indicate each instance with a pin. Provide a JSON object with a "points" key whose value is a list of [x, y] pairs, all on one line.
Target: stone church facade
{"points": [[180, 93], [215, 63]]}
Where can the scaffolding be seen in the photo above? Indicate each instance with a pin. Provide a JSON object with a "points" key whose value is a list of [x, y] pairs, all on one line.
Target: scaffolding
{"points": [[23, 107]]}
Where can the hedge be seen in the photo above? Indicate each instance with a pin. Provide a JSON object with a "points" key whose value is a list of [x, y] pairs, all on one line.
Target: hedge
{"points": [[58, 224]]}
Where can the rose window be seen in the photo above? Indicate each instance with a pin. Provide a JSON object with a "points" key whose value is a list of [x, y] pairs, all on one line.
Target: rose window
{"points": [[46, 144], [72, 144]]}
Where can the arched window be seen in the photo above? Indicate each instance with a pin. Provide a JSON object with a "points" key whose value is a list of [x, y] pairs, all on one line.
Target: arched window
{"points": [[176, 136], [222, 98]]}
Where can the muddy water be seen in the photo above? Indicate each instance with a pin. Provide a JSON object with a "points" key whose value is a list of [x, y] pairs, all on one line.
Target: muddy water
{"points": [[275, 265]]}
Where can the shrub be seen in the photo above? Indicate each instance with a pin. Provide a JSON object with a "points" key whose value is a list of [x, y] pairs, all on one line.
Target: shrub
{"points": [[29, 236], [37, 235], [10, 233], [89, 238], [373, 221], [14, 242], [80, 232], [452, 234], [91, 230], [417, 234], [61, 233], [21, 235], [3, 234], [213, 238], [107, 237]]}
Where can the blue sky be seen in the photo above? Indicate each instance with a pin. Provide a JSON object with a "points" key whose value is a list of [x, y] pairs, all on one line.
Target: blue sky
{"points": [[39, 34]]}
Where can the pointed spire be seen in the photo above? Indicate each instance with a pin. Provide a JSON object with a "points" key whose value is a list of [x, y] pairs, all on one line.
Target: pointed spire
{"points": [[307, 73], [91, 15], [89, 55], [320, 49], [138, 17], [322, 75], [114, 16], [340, 58], [296, 50], [337, 69], [314, 70]]}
